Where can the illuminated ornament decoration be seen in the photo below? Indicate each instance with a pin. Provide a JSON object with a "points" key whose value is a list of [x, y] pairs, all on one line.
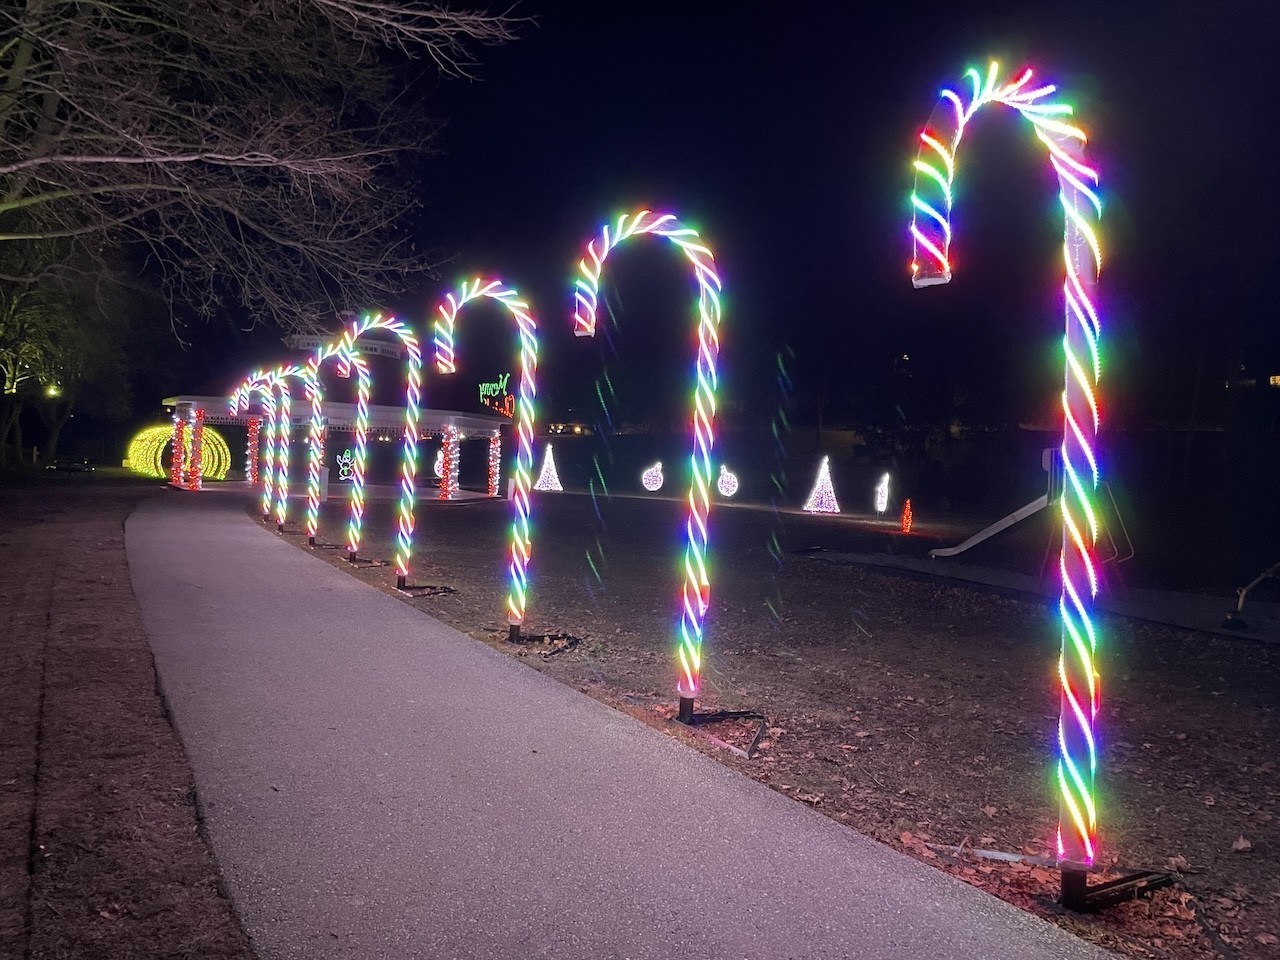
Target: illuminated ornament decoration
{"points": [[495, 464], [345, 462], [527, 334], [727, 483], [1082, 261], [652, 478], [822, 498], [438, 466], [347, 358], [696, 593], [147, 448], [548, 477], [449, 463], [882, 494], [905, 522]]}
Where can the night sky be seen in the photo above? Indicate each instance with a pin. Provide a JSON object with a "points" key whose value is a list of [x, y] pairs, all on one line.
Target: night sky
{"points": [[785, 133]]}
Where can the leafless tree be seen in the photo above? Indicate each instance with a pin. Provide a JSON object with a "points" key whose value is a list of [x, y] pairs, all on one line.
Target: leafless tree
{"points": [[260, 150]]}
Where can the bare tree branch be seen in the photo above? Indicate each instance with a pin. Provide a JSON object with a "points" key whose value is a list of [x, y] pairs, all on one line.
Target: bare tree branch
{"points": [[266, 155]]}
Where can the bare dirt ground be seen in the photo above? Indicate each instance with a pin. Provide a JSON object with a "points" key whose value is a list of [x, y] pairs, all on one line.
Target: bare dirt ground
{"points": [[917, 713], [100, 854]]}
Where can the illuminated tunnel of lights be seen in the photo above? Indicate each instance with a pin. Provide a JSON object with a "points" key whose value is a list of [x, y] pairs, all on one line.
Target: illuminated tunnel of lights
{"points": [[146, 453]]}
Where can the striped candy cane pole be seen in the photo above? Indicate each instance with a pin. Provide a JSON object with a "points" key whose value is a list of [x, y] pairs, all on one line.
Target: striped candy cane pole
{"points": [[696, 591], [1082, 259], [527, 330]]}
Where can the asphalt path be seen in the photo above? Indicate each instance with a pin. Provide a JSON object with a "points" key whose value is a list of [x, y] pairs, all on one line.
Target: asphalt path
{"points": [[377, 784]]}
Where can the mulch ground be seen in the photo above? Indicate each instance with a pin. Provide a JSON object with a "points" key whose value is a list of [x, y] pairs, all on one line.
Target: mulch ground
{"points": [[100, 849], [917, 713]]}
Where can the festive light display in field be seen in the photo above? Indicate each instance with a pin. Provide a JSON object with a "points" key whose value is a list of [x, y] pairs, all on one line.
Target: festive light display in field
{"points": [[882, 494], [822, 498], [527, 333], [278, 383], [651, 479], [1082, 259], [727, 482], [348, 358], [548, 477], [147, 449], [696, 594], [346, 348], [904, 521]]}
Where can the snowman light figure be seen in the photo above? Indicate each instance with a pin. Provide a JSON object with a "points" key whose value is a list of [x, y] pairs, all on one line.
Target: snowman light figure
{"points": [[346, 465]]}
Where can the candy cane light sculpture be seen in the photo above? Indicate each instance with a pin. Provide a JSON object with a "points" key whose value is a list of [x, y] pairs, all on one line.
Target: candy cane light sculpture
{"points": [[348, 358], [931, 200], [409, 440], [696, 593], [256, 383], [527, 332]]}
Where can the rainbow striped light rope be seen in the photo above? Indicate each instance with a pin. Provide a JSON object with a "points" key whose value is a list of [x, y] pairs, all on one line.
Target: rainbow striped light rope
{"points": [[278, 381], [256, 382], [696, 595], [348, 357], [526, 415], [1082, 258], [409, 441]]}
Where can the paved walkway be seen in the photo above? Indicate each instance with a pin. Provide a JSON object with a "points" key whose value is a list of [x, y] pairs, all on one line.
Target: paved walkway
{"points": [[378, 785]]}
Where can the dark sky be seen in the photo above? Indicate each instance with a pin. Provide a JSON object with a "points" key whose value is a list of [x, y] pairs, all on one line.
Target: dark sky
{"points": [[785, 133]]}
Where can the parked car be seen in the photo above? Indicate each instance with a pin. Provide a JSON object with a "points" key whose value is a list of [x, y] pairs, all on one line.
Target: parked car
{"points": [[71, 464]]}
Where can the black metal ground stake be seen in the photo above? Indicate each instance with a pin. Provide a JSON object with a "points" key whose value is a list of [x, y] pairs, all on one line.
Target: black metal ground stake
{"points": [[400, 581], [1078, 895], [280, 529], [513, 633], [685, 713], [311, 541], [351, 556]]}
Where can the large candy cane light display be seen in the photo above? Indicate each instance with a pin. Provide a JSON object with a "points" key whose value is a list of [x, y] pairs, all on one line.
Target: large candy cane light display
{"points": [[409, 441], [931, 232], [527, 330], [348, 359], [696, 593], [256, 383]]}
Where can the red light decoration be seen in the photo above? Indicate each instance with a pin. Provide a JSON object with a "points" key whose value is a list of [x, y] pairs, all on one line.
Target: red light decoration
{"points": [[251, 450], [495, 464], [906, 516]]}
